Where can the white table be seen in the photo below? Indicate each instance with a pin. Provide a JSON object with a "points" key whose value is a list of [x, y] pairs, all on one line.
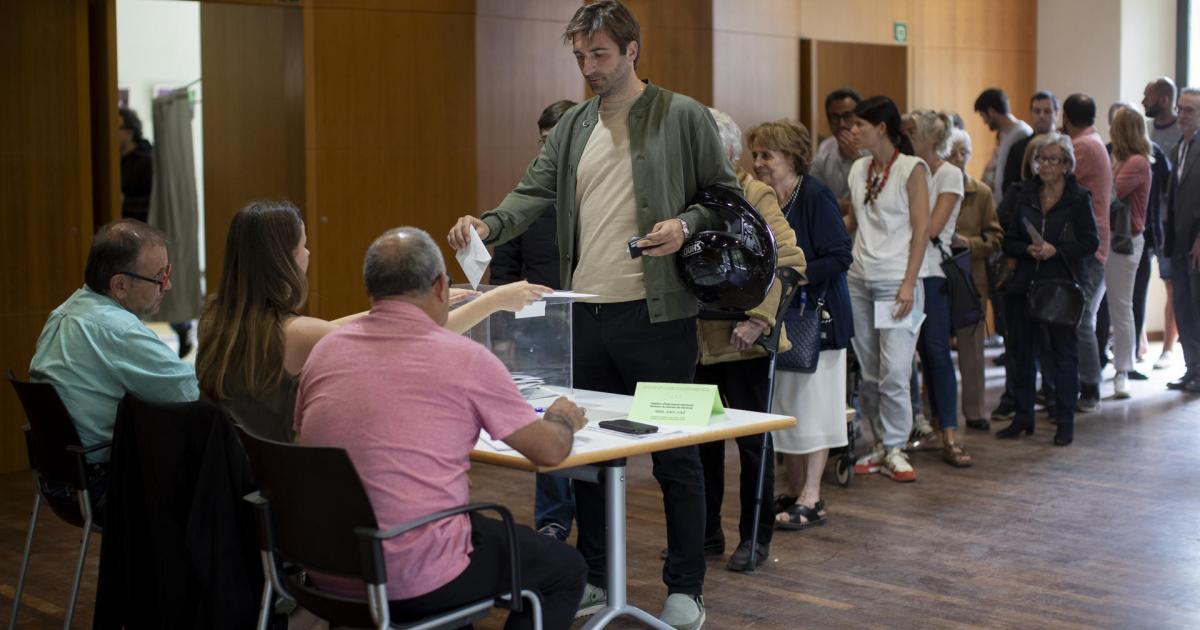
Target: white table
{"points": [[599, 452]]}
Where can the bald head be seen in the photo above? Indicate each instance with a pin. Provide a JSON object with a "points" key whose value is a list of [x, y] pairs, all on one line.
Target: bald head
{"points": [[1158, 99], [403, 261]]}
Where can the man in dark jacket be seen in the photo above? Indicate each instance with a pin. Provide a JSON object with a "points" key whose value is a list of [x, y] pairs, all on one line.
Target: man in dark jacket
{"points": [[137, 167]]}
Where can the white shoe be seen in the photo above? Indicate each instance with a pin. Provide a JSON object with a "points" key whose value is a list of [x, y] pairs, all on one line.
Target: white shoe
{"points": [[896, 466], [683, 612], [869, 464], [921, 424], [1164, 360], [593, 600], [1121, 386]]}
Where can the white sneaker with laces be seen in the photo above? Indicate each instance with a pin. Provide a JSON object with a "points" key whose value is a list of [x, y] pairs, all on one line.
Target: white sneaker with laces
{"points": [[921, 424], [1164, 360], [869, 464], [1121, 386], [896, 466]]}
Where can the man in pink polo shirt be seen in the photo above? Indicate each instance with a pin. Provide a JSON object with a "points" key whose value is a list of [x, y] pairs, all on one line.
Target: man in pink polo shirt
{"points": [[406, 399], [1093, 169]]}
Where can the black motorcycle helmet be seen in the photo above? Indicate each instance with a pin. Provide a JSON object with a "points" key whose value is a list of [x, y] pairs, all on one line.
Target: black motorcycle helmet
{"points": [[729, 269]]}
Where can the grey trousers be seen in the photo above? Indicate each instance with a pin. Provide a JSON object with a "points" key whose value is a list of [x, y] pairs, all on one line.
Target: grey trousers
{"points": [[1092, 283], [885, 356]]}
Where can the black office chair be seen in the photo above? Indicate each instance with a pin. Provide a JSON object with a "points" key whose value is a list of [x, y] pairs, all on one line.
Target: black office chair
{"points": [[58, 461], [297, 483], [789, 282]]}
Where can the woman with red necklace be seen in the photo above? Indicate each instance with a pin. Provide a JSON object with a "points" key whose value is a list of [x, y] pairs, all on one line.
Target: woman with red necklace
{"points": [[889, 190]]}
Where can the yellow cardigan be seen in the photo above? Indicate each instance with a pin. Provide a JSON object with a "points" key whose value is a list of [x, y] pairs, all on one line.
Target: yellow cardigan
{"points": [[715, 346]]}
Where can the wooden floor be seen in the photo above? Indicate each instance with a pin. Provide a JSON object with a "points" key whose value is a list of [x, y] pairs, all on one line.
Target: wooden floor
{"points": [[1103, 533]]}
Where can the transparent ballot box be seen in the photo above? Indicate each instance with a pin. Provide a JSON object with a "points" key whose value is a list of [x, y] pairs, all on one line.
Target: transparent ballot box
{"points": [[534, 344]]}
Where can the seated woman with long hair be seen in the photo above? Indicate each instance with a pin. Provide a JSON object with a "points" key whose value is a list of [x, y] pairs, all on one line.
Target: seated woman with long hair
{"points": [[252, 339]]}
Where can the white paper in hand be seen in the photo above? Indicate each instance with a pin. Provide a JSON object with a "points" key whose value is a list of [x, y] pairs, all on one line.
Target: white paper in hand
{"points": [[474, 259]]}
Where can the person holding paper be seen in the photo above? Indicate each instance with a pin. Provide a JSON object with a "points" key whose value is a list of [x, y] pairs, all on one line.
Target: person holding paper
{"points": [[1051, 233], [731, 360], [407, 400], [890, 193], [623, 164], [253, 339]]}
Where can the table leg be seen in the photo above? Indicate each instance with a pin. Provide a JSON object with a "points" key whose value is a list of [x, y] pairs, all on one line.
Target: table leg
{"points": [[614, 516]]}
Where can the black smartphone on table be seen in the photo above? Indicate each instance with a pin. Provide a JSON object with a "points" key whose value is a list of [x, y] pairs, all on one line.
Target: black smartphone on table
{"points": [[625, 425]]}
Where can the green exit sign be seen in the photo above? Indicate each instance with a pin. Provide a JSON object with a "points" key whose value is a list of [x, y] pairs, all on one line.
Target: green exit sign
{"points": [[900, 32]]}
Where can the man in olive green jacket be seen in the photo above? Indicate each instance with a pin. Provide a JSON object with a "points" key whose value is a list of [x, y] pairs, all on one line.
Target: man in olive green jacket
{"points": [[624, 164]]}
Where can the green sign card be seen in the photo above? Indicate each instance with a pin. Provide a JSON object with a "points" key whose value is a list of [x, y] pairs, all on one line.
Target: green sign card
{"points": [[675, 403]]}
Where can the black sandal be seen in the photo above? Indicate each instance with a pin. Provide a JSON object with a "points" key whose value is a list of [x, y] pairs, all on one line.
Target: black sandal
{"points": [[783, 502], [811, 518]]}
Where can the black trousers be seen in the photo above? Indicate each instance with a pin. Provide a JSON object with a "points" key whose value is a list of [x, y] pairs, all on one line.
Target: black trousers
{"points": [[616, 346], [1141, 286], [1062, 340], [549, 567], [743, 385]]}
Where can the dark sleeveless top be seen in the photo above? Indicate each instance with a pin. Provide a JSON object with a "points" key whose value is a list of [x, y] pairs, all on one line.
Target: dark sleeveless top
{"points": [[269, 415]]}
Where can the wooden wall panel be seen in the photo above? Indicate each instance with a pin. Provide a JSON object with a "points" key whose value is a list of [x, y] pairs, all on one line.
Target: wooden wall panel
{"points": [[521, 66], [393, 135], [677, 43], [106, 159], [869, 69], [956, 55], [252, 61], [45, 183]]}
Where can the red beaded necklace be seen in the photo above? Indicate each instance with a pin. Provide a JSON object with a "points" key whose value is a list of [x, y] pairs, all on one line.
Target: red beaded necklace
{"points": [[875, 184]]}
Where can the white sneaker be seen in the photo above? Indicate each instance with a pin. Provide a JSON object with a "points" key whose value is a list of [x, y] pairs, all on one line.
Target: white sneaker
{"points": [[1164, 360], [896, 466], [1121, 386], [594, 598], [683, 612], [869, 464], [921, 424]]}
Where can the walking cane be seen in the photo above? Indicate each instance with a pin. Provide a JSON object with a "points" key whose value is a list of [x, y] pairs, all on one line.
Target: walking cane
{"points": [[789, 282]]}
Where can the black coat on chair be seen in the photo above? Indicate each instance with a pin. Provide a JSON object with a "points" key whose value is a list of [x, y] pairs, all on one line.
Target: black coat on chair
{"points": [[180, 551]]}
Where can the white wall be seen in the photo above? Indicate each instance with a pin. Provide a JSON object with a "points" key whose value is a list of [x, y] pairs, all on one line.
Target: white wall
{"points": [[1147, 44], [1078, 50], [158, 46]]}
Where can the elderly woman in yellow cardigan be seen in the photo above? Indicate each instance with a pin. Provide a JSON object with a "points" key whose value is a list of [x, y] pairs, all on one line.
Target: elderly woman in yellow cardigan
{"points": [[730, 360], [978, 229]]}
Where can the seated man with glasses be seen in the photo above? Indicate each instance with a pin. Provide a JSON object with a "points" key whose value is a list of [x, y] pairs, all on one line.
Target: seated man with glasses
{"points": [[94, 347]]}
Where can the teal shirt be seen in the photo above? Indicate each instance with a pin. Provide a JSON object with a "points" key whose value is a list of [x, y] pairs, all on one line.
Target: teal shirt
{"points": [[93, 351]]}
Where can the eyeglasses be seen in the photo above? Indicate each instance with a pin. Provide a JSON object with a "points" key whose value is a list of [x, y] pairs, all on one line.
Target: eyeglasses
{"points": [[162, 279], [846, 117], [1051, 160]]}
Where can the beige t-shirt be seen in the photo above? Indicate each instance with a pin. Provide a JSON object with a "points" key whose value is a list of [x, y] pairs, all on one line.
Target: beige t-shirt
{"points": [[608, 212]]}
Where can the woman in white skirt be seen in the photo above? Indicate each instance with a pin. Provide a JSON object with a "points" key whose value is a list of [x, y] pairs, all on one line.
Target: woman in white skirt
{"points": [[818, 399]]}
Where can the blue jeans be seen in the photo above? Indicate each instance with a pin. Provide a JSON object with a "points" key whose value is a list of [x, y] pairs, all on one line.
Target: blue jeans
{"points": [[934, 348], [554, 502], [1092, 283]]}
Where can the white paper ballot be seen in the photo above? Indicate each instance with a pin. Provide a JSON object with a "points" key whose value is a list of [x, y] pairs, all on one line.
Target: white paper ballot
{"points": [[571, 294], [537, 309], [883, 317], [474, 259]]}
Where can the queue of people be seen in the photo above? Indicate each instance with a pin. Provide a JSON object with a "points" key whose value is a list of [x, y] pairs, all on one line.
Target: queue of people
{"points": [[867, 221]]}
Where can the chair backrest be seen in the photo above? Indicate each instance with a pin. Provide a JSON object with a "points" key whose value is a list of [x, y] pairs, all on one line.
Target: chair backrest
{"points": [[316, 500], [789, 283], [51, 431]]}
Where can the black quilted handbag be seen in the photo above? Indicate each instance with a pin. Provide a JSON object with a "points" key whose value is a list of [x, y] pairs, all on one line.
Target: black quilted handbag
{"points": [[806, 326], [1055, 301]]}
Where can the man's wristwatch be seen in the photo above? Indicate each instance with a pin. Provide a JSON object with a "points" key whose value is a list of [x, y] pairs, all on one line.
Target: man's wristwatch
{"points": [[687, 231]]}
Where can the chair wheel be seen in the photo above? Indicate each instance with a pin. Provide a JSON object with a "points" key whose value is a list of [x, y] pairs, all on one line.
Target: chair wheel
{"points": [[844, 469]]}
